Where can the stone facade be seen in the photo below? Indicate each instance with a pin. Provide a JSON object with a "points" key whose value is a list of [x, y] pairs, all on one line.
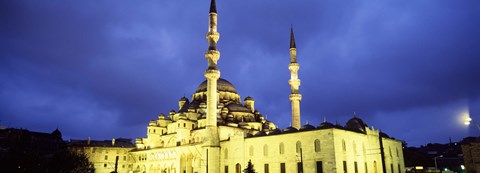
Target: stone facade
{"points": [[103, 154]]}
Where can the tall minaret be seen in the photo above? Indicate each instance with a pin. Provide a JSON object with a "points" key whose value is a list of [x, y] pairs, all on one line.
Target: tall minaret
{"points": [[294, 82], [211, 137]]}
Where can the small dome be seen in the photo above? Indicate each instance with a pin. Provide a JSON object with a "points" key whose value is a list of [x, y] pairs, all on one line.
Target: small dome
{"points": [[182, 116], [356, 124], [290, 129], [325, 125], [275, 132], [183, 99], [161, 116], [222, 85], [307, 127], [265, 126], [247, 135], [260, 133], [249, 99]]}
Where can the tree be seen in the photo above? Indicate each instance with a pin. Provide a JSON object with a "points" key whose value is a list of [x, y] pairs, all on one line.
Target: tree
{"points": [[249, 168], [67, 161]]}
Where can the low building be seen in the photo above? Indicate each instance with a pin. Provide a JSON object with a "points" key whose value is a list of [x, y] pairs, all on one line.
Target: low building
{"points": [[106, 154], [471, 154]]}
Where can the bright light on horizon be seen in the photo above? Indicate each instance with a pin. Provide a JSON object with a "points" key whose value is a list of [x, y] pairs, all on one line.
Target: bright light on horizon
{"points": [[467, 119]]}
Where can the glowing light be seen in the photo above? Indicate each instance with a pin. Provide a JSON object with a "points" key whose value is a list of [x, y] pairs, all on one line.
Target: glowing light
{"points": [[463, 167], [467, 119]]}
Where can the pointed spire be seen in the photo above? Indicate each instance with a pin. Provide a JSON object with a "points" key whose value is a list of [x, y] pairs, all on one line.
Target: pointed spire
{"points": [[213, 7], [292, 38]]}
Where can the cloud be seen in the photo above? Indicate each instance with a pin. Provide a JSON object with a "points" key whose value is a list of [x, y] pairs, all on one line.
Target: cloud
{"points": [[116, 65]]}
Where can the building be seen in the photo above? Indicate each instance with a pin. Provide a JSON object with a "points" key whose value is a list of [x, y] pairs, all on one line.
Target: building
{"points": [[106, 155], [23, 150], [215, 132], [431, 157], [471, 154]]}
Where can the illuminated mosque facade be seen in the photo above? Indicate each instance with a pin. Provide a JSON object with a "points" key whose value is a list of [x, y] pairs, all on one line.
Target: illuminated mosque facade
{"points": [[215, 132]]}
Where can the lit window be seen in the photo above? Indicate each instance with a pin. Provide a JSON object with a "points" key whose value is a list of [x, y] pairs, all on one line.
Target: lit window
{"points": [[281, 148], [299, 146], [251, 150], [265, 150], [354, 148], [317, 145]]}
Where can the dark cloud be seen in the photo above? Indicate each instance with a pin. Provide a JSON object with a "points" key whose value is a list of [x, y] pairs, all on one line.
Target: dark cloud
{"points": [[103, 69]]}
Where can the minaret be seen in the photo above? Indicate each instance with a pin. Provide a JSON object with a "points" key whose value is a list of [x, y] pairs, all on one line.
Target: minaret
{"points": [[294, 82], [211, 138]]}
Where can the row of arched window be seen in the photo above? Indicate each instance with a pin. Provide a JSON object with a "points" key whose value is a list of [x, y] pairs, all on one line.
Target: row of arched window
{"points": [[281, 148], [316, 145]]}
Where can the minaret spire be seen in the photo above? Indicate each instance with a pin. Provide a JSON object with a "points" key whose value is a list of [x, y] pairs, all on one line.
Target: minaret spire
{"points": [[213, 7], [295, 96], [292, 38], [212, 74]]}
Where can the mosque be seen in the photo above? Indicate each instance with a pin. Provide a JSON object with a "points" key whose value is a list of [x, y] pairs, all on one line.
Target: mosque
{"points": [[215, 132]]}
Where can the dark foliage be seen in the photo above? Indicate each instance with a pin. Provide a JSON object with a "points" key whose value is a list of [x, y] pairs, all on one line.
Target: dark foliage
{"points": [[249, 168], [66, 161]]}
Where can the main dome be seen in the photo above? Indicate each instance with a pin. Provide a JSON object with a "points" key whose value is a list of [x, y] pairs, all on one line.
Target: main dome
{"points": [[222, 85]]}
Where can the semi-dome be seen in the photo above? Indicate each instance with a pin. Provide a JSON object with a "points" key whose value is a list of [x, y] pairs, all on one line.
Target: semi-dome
{"points": [[234, 107], [356, 124], [222, 85]]}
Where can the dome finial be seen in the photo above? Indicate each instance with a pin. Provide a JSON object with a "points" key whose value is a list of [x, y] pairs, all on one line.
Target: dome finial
{"points": [[292, 38], [213, 7], [324, 119], [354, 114], [307, 122]]}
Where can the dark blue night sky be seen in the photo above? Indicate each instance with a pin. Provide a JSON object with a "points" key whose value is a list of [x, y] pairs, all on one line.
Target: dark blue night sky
{"points": [[105, 68]]}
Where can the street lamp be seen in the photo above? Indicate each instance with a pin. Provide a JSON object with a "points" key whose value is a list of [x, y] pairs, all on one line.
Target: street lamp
{"points": [[435, 158]]}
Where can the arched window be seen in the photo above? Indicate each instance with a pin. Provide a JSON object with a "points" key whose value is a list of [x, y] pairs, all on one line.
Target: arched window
{"points": [[364, 150], [397, 152], [251, 150], [390, 151], [344, 146], [317, 145], [299, 146], [354, 148], [226, 153], [238, 168], [281, 148], [265, 150]]}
